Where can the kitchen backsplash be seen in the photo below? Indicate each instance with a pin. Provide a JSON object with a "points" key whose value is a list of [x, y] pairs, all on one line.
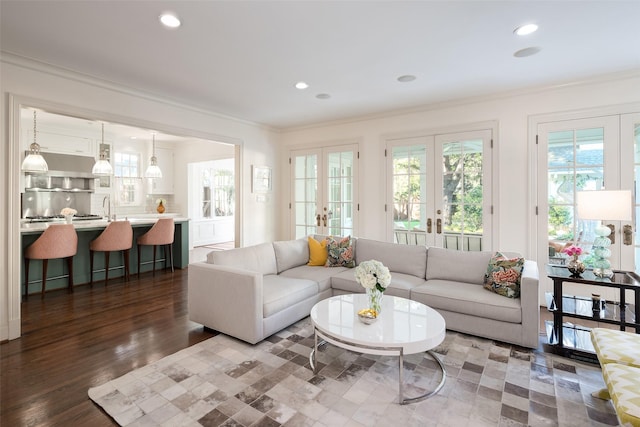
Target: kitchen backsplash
{"points": [[149, 206]]}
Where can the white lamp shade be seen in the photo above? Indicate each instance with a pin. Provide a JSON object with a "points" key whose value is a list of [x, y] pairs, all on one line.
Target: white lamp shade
{"points": [[604, 205], [34, 163], [153, 171], [102, 167]]}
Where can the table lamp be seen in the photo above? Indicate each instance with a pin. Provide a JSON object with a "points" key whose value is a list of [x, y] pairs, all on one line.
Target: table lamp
{"points": [[603, 205]]}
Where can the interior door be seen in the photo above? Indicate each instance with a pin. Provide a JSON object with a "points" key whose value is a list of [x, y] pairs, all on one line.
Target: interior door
{"points": [[441, 190], [324, 191]]}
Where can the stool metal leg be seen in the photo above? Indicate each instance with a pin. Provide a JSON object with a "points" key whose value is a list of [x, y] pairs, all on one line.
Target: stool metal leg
{"points": [[26, 279], [126, 263], [91, 254], [70, 266], [154, 259], [45, 265], [170, 251], [106, 267]]}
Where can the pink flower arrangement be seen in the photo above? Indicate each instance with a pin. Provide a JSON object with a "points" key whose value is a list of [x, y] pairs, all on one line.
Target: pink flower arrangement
{"points": [[573, 251]]}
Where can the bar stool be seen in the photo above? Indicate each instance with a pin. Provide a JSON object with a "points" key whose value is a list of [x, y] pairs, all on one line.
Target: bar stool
{"points": [[57, 241], [118, 236], [160, 234]]}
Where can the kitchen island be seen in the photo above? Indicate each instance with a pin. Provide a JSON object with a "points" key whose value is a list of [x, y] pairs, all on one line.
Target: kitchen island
{"points": [[89, 230]]}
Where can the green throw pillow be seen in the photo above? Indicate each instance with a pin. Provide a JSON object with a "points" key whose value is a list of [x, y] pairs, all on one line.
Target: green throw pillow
{"points": [[503, 275], [340, 253]]}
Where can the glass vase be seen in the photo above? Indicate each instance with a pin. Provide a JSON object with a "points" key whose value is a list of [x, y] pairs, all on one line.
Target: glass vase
{"points": [[374, 296], [575, 266]]}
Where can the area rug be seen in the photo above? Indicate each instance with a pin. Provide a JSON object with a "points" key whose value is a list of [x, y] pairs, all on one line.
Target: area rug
{"points": [[226, 382]]}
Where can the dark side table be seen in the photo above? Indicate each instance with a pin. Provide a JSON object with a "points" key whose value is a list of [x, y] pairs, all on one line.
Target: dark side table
{"points": [[568, 339]]}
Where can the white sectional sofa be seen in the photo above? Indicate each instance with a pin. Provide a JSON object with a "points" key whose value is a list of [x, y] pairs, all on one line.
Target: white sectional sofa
{"points": [[253, 292]]}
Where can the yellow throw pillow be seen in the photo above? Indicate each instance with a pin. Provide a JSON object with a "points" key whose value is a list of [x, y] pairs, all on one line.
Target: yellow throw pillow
{"points": [[317, 252]]}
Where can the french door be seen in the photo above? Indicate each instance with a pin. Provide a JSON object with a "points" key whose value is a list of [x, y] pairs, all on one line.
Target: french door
{"points": [[324, 191], [585, 154], [440, 190]]}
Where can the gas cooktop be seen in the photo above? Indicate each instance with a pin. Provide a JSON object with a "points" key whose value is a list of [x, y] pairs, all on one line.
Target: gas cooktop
{"points": [[52, 218]]}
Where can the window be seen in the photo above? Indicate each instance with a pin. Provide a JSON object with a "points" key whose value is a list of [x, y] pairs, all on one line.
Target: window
{"points": [[128, 182]]}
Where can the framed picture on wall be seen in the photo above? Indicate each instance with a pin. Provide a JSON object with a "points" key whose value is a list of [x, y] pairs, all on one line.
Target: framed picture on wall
{"points": [[261, 180]]}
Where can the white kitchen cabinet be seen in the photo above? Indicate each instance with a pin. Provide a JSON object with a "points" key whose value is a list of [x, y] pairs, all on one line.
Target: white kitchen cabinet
{"points": [[163, 185], [59, 142]]}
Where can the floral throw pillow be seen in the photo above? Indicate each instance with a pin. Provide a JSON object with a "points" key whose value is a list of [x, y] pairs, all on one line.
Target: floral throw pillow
{"points": [[340, 253], [503, 275]]}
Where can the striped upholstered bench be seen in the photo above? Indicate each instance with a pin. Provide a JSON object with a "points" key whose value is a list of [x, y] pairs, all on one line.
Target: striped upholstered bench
{"points": [[619, 355]]}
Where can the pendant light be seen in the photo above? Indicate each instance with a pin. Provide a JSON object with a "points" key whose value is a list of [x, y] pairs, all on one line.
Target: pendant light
{"points": [[34, 162], [153, 171], [102, 166]]}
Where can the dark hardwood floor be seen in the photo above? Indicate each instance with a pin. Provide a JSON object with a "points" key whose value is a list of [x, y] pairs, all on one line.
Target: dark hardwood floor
{"points": [[71, 342]]}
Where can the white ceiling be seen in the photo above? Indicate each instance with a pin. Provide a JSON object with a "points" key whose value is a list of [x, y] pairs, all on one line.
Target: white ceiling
{"points": [[242, 58]]}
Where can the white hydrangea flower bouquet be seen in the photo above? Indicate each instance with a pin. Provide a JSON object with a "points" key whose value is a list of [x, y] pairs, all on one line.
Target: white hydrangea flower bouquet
{"points": [[374, 277]]}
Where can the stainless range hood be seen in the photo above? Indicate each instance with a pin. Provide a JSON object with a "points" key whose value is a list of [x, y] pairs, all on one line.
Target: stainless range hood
{"points": [[69, 165]]}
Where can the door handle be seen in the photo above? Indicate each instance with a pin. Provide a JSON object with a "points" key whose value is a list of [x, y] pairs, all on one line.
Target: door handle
{"points": [[324, 219], [612, 236], [429, 225], [627, 235], [318, 220], [439, 226]]}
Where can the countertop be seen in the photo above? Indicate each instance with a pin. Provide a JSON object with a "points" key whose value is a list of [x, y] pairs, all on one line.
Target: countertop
{"points": [[141, 220]]}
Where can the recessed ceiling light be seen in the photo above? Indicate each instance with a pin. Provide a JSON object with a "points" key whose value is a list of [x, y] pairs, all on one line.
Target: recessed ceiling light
{"points": [[170, 20], [523, 30], [301, 85], [134, 137], [323, 96], [406, 78], [527, 51]]}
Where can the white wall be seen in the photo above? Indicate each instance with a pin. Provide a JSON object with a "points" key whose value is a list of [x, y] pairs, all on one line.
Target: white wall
{"points": [[101, 100], [510, 111]]}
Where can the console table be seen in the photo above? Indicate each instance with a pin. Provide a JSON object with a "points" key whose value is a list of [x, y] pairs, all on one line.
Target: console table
{"points": [[582, 307]]}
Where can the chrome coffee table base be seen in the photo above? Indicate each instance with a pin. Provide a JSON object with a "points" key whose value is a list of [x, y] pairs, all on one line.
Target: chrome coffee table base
{"points": [[326, 338]]}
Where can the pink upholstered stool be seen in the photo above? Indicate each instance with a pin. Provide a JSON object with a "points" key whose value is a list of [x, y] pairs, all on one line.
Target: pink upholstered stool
{"points": [[160, 234], [57, 241], [118, 236]]}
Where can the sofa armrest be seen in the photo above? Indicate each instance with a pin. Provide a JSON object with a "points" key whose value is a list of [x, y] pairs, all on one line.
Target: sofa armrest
{"points": [[530, 303], [226, 299]]}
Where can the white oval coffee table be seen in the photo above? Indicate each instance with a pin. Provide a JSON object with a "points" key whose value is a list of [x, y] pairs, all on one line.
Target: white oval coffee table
{"points": [[403, 327]]}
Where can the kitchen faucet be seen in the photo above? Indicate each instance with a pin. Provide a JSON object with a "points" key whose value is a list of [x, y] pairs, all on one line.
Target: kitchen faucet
{"points": [[107, 199]]}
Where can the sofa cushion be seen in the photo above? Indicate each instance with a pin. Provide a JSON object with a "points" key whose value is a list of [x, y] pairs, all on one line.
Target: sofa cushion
{"points": [[457, 266], [318, 274], [259, 258], [317, 251], [400, 285], [503, 275], [340, 253], [291, 253], [281, 292], [408, 259], [467, 298]]}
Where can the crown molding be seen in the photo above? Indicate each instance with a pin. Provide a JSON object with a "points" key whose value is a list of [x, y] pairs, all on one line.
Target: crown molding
{"points": [[604, 78]]}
